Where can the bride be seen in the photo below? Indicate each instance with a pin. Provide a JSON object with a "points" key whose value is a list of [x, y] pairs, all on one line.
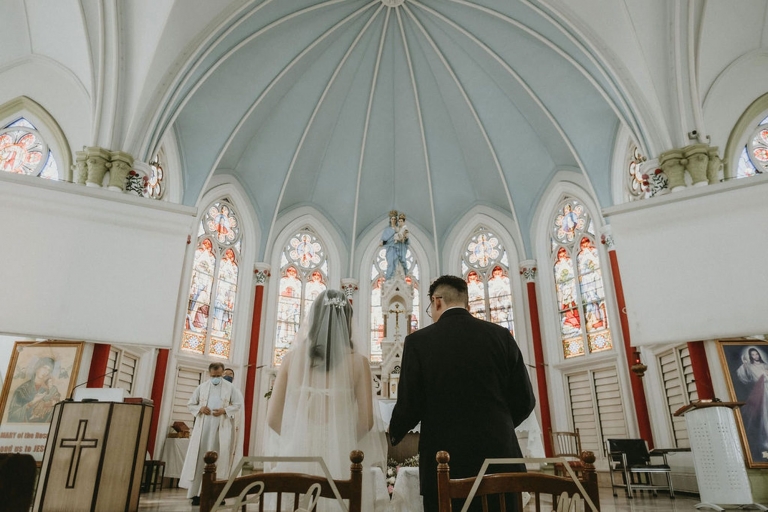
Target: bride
{"points": [[322, 401]]}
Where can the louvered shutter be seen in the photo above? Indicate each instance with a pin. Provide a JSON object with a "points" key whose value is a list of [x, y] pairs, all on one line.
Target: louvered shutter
{"points": [[679, 388], [596, 407], [187, 380]]}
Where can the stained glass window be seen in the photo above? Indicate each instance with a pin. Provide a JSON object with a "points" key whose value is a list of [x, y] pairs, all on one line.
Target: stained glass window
{"points": [[754, 156], [23, 150], [213, 290], [485, 267], [154, 185], [378, 270], [303, 275], [578, 282], [635, 178]]}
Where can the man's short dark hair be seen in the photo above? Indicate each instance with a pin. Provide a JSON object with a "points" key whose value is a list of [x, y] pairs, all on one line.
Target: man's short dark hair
{"points": [[454, 289], [230, 370], [216, 366]]}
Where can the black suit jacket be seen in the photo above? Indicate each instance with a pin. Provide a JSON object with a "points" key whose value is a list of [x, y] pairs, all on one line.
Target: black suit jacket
{"points": [[465, 380]]}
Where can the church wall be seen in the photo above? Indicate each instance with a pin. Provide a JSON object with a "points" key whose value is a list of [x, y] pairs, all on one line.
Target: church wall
{"points": [[93, 256], [698, 250], [56, 90]]}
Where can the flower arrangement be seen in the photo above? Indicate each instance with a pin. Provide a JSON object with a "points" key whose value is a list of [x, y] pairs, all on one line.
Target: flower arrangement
{"points": [[393, 466], [135, 183]]}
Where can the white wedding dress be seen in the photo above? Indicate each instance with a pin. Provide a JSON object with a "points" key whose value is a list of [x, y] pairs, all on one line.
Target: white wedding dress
{"points": [[324, 391]]}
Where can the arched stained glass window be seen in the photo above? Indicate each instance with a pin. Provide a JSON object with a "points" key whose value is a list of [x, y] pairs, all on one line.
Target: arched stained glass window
{"points": [[579, 282], [23, 150], [635, 185], [303, 275], [154, 184], [213, 291], [754, 156], [378, 270], [485, 267]]}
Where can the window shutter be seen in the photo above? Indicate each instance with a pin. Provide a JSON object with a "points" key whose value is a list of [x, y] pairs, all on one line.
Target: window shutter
{"points": [[109, 379], [126, 372], [187, 380], [583, 411], [610, 410], [679, 388], [596, 407]]}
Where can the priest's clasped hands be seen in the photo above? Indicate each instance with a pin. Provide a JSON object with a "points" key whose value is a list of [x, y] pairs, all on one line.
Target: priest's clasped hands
{"points": [[216, 412]]}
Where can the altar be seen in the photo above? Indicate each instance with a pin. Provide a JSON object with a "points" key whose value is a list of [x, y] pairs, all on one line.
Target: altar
{"points": [[406, 496], [174, 452]]}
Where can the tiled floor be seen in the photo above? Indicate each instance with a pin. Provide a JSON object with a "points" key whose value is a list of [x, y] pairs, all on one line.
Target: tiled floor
{"points": [[174, 500]]}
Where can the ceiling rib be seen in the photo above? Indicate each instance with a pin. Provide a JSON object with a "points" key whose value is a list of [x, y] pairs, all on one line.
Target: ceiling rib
{"points": [[240, 45], [319, 103], [468, 101], [194, 61], [514, 75], [365, 136], [266, 91], [423, 139]]}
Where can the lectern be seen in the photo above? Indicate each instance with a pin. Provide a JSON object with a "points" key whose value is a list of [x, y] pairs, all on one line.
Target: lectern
{"points": [[94, 456], [717, 455]]}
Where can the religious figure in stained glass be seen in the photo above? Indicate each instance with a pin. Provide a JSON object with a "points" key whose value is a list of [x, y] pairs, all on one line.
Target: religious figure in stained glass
{"points": [[303, 276], [582, 308], [222, 223], [754, 156], [484, 265], [213, 288]]}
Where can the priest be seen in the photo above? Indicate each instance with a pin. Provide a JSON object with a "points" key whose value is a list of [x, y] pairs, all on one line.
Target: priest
{"points": [[215, 404]]}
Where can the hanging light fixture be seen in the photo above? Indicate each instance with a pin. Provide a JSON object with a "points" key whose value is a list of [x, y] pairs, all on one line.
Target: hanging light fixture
{"points": [[638, 368]]}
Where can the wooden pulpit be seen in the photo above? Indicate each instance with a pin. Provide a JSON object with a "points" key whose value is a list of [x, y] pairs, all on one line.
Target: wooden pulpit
{"points": [[94, 456]]}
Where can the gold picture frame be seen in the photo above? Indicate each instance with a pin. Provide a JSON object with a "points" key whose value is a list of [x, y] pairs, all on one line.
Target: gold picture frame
{"points": [[40, 374], [745, 365]]}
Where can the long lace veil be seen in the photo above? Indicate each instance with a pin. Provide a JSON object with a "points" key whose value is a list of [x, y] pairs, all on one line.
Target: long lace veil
{"points": [[324, 413]]}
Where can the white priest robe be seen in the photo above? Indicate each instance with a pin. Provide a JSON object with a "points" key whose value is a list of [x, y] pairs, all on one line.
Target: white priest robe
{"points": [[217, 433]]}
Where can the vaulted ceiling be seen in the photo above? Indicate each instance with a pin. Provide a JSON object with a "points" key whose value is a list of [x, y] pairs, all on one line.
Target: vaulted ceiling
{"points": [[357, 107]]}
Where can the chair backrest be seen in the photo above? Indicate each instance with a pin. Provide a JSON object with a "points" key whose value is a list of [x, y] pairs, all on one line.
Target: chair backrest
{"points": [[288, 488], [565, 444], [562, 489], [17, 481], [636, 450]]}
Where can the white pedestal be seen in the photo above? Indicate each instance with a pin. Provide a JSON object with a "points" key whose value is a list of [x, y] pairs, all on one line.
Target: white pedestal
{"points": [[718, 458]]}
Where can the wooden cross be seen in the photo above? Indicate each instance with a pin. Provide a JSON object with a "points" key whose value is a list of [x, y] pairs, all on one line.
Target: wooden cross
{"points": [[77, 444]]}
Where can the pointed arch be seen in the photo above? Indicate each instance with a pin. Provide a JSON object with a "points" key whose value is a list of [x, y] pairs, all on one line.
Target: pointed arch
{"points": [[221, 332], [365, 257], [746, 153], [49, 131], [305, 260], [490, 220]]}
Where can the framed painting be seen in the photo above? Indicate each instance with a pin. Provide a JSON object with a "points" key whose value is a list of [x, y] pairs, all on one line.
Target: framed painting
{"points": [[745, 364], [40, 374]]}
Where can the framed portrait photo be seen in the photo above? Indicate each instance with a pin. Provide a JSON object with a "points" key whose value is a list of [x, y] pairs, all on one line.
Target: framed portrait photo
{"points": [[40, 374], [745, 364]]}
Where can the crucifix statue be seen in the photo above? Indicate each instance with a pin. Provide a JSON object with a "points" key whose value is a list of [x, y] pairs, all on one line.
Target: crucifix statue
{"points": [[397, 310]]}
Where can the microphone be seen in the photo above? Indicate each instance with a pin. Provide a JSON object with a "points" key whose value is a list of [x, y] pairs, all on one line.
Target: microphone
{"points": [[70, 399]]}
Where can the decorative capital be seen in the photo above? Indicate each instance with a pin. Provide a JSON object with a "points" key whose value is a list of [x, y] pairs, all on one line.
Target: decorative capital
{"points": [[261, 273], [606, 237], [349, 286], [528, 270]]}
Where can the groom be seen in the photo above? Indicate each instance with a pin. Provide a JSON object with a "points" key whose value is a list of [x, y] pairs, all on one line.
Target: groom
{"points": [[465, 380]]}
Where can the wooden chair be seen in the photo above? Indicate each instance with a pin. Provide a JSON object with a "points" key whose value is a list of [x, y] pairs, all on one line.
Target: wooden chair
{"points": [[17, 481], [283, 485], [568, 446], [563, 492], [631, 458]]}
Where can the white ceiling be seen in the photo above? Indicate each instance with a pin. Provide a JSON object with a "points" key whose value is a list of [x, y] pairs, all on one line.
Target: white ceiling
{"points": [[357, 107]]}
